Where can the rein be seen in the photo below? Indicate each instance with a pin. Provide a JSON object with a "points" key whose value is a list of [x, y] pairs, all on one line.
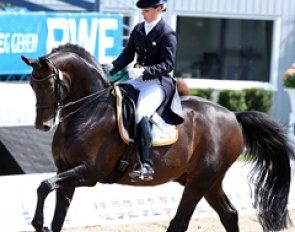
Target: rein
{"points": [[94, 96], [119, 78]]}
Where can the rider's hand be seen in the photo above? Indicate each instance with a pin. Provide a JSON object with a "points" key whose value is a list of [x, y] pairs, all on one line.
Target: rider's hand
{"points": [[107, 68], [135, 73]]}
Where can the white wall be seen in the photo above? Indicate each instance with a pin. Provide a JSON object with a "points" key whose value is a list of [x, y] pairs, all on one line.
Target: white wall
{"points": [[17, 101]]}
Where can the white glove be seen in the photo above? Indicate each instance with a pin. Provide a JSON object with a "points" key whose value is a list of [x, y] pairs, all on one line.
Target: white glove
{"points": [[107, 67], [135, 73]]}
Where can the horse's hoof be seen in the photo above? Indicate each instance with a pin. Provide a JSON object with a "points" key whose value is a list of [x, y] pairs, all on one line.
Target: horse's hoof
{"points": [[45, 229]]}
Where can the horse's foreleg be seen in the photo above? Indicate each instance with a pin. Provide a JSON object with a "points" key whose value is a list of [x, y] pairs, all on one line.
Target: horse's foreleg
{"points": [[71, 178], [221, 204], [38, 219], [63, 201]]}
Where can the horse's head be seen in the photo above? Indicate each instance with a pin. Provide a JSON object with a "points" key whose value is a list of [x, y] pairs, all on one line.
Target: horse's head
{"points": [[64, 78], [49, 87]]}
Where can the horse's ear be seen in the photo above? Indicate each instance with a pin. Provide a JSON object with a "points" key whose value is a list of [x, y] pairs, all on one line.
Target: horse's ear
{"points": [[28, 61], [44, 61]]}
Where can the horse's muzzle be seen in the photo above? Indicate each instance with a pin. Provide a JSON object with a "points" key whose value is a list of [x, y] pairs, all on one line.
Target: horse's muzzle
{"points": [[44, 125]]}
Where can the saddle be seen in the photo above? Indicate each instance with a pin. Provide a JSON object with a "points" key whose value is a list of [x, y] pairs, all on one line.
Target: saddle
{"points": [[162, 133]]}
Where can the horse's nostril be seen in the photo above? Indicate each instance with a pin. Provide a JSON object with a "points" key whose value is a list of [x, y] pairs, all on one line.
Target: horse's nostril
{"points": [[46, 128]]}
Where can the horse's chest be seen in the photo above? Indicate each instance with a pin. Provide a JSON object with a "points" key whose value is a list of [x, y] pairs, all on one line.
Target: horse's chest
{"points": [[62, 151]]}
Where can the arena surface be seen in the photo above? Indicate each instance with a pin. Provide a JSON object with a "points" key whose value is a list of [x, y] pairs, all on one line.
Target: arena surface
{"points": [[117, 208], [204, 218], [211, 224]]}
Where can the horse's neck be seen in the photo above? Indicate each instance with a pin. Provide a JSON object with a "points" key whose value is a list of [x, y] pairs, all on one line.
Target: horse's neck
{"points": [[83, 79], [103, 84], [86, 85], [78, 117]]}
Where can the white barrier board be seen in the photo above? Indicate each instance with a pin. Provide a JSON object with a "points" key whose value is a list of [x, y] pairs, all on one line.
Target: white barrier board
{"points": [[17, 101], [113, 204]]}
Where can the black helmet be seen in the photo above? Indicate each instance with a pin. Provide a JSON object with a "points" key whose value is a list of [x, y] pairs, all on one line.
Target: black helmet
{"points": [[149, 3]]}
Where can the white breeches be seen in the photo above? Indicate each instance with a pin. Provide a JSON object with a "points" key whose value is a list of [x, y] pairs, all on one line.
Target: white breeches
{"points": [[151, 95]]}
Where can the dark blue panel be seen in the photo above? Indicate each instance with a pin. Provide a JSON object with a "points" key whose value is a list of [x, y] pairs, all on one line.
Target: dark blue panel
{"points": [[80, 3], [30, 6]]}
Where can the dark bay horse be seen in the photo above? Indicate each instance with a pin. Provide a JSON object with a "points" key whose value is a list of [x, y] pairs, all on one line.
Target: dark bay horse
{"points": [[69, 83]]}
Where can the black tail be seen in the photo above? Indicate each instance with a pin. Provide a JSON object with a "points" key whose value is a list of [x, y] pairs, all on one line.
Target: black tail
{"points": [[269, 148]]}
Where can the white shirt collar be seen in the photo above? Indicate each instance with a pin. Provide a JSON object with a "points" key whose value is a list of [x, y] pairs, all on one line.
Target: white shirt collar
{"points": [[149, 26]]}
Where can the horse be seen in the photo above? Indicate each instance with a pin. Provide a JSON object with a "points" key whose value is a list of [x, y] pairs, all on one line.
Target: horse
{"points": [[69, 85]]}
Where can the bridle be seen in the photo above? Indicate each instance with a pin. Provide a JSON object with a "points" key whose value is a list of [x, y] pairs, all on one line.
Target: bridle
{"points": [[61, 90], [58, 84]]}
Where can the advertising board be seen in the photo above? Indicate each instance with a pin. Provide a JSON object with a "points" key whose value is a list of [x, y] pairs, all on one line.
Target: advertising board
{"points": [[35, 34]]}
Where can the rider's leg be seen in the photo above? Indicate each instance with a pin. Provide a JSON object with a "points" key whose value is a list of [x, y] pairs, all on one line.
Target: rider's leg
{"points": [[145, 171], [151, 96]]}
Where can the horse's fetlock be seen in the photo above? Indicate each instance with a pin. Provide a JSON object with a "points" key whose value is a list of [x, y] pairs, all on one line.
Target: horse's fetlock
{"points": [[37, 224], [229, 217], [44, 187]]}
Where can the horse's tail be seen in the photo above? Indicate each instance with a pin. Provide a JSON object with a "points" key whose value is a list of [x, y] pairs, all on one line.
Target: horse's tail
{"points": [[270, 150]]}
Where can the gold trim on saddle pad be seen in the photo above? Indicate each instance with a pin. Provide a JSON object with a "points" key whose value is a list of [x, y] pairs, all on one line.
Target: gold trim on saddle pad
{"points": [[163, 133]]}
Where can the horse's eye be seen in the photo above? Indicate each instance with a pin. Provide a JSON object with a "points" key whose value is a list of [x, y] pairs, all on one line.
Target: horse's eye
{"points": [[40, 65]]}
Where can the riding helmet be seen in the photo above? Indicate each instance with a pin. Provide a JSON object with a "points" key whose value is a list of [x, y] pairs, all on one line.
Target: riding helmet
{"points": [[150, 3]]}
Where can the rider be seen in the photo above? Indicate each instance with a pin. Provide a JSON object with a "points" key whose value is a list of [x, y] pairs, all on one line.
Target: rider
{"points": [[154, 43]]}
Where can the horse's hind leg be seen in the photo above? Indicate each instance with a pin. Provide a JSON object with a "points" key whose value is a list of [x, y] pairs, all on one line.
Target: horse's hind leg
{"points": [[187, 205], [194, 190], [221, 204]]}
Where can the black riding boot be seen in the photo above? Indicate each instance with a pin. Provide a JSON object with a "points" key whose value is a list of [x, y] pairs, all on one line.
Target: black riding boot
{"points": [[145, 171]]}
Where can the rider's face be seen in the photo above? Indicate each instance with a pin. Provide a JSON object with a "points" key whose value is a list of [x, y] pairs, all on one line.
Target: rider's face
{"points": [[150, 14]]}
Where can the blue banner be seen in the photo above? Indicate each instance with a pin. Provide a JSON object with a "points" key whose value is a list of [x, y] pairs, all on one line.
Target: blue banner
{"points": [[35, 34]]}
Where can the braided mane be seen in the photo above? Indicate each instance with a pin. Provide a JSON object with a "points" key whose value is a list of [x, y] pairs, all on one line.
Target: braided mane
{"points": [[75, 48], [82, 52]]}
